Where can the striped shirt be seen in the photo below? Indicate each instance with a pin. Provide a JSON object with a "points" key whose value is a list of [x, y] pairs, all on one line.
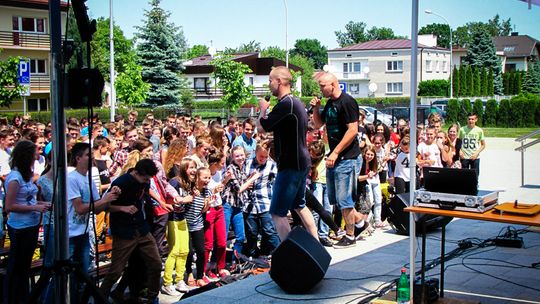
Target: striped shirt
{"points": [[261, 194], [193, 213]]}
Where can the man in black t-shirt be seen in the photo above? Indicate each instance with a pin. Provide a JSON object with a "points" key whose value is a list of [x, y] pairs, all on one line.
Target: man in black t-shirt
{"points": [[288, 121], [340, 115]]}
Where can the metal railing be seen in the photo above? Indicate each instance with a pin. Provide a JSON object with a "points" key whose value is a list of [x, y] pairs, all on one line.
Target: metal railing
{"points": [[212, 93], [24, 40], [522, 149]]}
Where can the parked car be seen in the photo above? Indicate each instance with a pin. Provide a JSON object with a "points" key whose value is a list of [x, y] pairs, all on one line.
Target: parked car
{"points": [[371, 113], [422, 113], [441, 104]]}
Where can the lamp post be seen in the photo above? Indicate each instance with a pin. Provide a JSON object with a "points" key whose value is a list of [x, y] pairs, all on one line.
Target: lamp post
{"points": [[112, 97], [430, 12], [286, 34]]}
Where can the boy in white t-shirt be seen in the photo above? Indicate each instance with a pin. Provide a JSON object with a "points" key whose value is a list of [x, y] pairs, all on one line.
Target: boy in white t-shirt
{"points": [[429, 153]]}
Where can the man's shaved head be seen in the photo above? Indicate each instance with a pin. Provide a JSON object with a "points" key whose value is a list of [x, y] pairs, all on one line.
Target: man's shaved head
{"points": [[282, 73]]}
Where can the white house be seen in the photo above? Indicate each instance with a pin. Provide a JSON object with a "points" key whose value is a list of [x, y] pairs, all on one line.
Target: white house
{"points": [[199, 73], [382, 68]]}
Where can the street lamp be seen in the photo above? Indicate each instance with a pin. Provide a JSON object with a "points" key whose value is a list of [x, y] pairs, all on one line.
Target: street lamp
{"points": [[430, 12], [286, 34], [112, 97]]}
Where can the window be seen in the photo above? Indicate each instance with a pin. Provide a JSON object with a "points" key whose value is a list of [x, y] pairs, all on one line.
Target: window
{"points": [[38, 67], [394, 66], [352, 67], [429, 67], [394, 88], [200, 84], [251, 81], [354, 88], [37, 104], [444, 67], [24, 24], [437, 66], [509, 67]]}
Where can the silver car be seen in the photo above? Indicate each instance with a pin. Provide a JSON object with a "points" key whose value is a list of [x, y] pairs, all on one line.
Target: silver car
{"points": [[370, 115]]}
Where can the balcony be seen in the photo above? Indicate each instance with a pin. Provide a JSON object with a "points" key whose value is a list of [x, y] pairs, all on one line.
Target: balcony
{"points": [[40, 84], [11, 40], [216, 93], [352, 76]]}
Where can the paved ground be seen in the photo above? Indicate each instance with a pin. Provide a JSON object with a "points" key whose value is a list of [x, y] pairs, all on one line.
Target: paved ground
{"points": [[351, 274]]}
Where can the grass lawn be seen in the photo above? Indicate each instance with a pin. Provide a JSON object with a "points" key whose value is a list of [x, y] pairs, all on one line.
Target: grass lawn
{"points": [[508, 132]]}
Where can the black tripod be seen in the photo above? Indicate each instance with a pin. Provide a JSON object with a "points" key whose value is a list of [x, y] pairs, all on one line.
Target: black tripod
{"points": [[66, 267]]}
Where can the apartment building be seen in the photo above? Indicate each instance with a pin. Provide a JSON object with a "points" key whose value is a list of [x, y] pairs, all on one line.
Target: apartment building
{"points": [[24, 32], [382, 68]]}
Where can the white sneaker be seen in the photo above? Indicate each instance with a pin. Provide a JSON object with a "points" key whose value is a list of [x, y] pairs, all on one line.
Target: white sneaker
{"points": [[182, 286], [169, 290]]}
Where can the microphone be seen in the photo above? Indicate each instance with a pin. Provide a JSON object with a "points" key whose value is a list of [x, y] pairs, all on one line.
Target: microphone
{"points": [[267, 97], [310, 109]]}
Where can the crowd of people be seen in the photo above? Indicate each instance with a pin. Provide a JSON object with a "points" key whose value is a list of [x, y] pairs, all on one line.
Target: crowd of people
{"points": [[168, 192]]}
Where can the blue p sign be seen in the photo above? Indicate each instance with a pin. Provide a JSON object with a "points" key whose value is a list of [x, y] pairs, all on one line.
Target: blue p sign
{"points": [[343, 87], [24, 71]]}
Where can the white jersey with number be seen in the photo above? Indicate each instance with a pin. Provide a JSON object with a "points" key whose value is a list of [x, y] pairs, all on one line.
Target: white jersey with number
{"points": [[430, 152], [402, 166]]}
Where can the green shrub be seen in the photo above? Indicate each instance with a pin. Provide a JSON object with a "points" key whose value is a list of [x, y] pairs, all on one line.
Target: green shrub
{"points": [[517, 109], [452, 111], [436, 87], [490, 115], [465, 108], [503, 114], [478, 108]]}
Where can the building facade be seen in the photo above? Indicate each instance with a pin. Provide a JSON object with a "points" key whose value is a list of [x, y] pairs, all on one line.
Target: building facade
{"points": [[382, 68], [24, 32]]}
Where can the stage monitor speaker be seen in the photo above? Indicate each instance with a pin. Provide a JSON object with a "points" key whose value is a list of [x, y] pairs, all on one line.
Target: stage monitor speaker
{"points": [[84, 88], [299, 262], [399, 219]]}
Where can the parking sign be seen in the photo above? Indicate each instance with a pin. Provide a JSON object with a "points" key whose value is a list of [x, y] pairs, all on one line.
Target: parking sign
{"points": [[343, 87], [24, 75]]}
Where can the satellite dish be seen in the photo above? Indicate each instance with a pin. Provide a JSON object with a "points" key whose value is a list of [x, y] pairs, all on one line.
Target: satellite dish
{"points": [[366, 70], [372, 87], [212, 51], [326, 68]]}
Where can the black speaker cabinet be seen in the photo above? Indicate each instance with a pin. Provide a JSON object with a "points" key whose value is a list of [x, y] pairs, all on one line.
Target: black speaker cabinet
{"points": [[299, 262], [399, 219]]}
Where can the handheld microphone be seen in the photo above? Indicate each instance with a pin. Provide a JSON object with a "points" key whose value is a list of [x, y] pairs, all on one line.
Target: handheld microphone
{"points": [[310, 109], [267, 97]]}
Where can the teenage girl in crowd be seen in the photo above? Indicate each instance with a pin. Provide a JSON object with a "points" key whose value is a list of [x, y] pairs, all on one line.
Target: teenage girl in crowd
{"points": [[215, 235], [402, 171], [371, 175], [178, 234], [195, 218], [453, 132], [201, 151], [23, 223]]}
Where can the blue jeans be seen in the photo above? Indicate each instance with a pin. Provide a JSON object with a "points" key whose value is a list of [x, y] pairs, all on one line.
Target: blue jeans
{"points": [[237, 217], [319, 191], [288, 192], [260, 223], [341, 182], [79, 251]]}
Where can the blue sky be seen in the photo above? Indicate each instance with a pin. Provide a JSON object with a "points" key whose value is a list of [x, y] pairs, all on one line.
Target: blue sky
{"points": [[229, 23]]}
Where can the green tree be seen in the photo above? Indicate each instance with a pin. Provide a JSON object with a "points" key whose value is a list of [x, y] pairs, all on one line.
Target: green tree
{"points": [[482, 53], [441, 30], [519, 80], [506, 83], [490, 115], [518, 111], [381, 33], [250, 47], [309, 86], [9, 82], [512, 83], [230, 75], [463, 90], [197, 51], [130, 87], [483, 82], [312, 49], [354, 33], [531, 81], [160, 49], [456, 84], [478, 108], [469, 81], [186, 94], [503, 114], [123, 49], [463, 35], [452, 111], [274, 51], [476, 82], [490, 86]]}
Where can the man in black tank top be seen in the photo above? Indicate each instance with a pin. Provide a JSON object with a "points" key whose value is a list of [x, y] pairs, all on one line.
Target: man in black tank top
{"points": [[288, 120]]}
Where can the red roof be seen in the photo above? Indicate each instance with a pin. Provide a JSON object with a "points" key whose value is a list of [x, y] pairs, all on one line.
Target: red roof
{"points": [[205, 59], [38, 4], [383, 45]]}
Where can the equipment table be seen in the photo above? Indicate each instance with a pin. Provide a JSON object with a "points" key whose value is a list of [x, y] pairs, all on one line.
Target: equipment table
{"points": [[491, 216]]}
